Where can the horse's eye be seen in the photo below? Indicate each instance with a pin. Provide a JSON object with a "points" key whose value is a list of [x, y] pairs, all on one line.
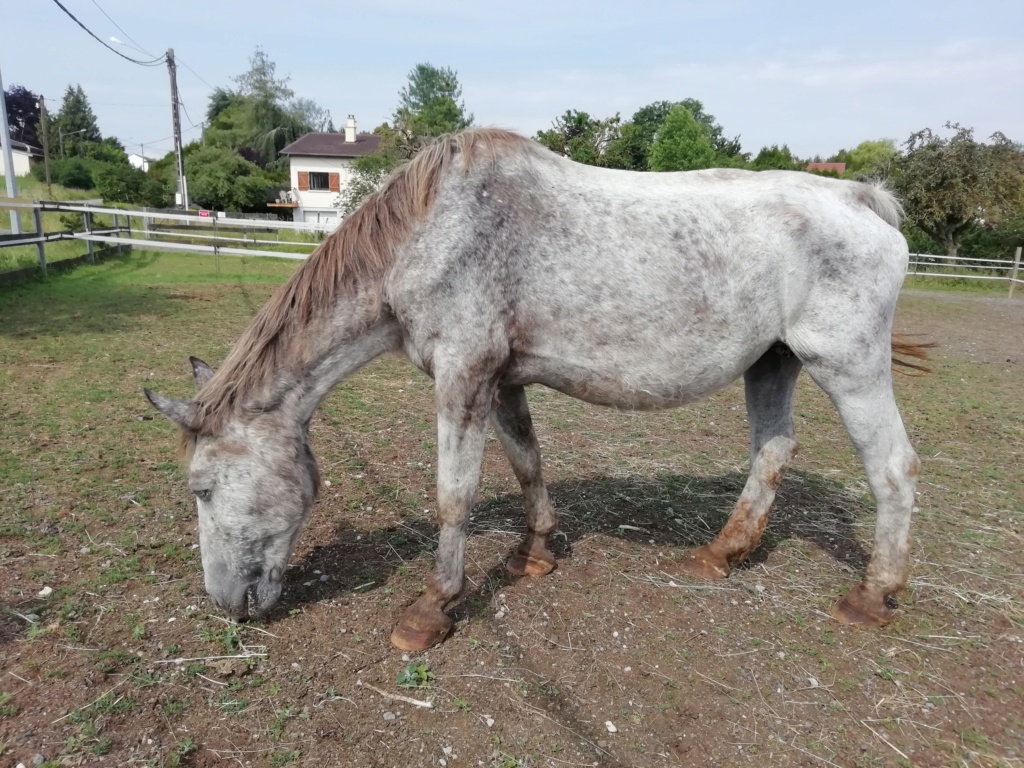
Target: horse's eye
{"points": [[204, 495]]}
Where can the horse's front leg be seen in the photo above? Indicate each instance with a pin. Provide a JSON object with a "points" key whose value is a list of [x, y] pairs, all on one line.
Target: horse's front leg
{"points": [[512, 422], [462, 408]]}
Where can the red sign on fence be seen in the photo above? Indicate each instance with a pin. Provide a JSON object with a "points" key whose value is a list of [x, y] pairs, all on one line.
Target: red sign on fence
{"points": [[204, 214]]}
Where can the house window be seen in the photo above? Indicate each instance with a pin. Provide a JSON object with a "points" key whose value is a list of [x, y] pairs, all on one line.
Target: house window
{"points": [[319, 181]]}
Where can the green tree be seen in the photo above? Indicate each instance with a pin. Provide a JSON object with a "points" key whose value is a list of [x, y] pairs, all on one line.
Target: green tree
{"points": [[948, 185], [76, 122], [23, 115], [631, 149], [430, 104], [776, 158], [260, 81], [220, 179], [869, 159], [368, 173], [262, 115], [580, 137], [682, 144]]}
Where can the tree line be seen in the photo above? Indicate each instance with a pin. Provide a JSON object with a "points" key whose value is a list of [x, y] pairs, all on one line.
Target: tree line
{"points": [[958, 191]]}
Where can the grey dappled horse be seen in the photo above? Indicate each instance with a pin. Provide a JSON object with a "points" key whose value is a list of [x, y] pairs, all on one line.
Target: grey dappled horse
{"points": [[492, 264]]}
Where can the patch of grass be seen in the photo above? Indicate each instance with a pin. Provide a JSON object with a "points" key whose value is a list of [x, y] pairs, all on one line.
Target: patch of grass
{"points": [[229, 638], [283, 758], [181, 753], [173, 707], [7, 707]]}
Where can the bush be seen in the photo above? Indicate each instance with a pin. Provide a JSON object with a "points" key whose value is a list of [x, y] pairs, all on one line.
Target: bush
{"points": [[72, 172], [119, 183]]}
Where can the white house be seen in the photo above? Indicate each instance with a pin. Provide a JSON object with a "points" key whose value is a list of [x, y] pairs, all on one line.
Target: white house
{"points": [[135, 160], [321, 165], [21, 155]]}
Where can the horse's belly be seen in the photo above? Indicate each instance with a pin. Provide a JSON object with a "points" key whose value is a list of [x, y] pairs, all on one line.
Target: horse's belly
{"points": [[635, 388]]}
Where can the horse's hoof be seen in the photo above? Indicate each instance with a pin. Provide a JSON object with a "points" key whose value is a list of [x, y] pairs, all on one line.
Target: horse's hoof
{"points": [[420, 629], [533, 558], [863, 608], [530, 565], [702, 563]]}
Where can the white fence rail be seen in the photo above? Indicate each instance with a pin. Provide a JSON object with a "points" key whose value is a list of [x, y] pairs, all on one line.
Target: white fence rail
{"points": [[930, 265], [167, 231]]}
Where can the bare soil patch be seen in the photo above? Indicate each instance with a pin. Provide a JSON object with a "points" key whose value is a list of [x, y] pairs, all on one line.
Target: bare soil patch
{"points": [[122, 664]]}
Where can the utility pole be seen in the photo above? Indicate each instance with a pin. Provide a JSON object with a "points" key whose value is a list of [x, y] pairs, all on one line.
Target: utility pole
{"points": [[44, 134], [5, 135], [176, 118]]}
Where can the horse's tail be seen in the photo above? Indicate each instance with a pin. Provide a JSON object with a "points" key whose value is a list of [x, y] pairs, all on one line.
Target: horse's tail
{"points": [[903, 348], [882, 202]]}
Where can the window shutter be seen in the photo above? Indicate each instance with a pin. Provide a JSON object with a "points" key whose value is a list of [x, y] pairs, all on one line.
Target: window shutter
{"points": [[334, 182], [303, 181]]}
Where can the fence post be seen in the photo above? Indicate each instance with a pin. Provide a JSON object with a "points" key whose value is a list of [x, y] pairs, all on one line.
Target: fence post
{"points": [[87, 216], [145, 224], [37, 217], [1013, 272]]}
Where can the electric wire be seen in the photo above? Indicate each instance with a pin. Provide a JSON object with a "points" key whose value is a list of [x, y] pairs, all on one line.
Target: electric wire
{"points": [[119, 29], [155, 62]]}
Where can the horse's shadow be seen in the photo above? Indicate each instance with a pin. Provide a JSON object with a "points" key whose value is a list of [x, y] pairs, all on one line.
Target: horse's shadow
{"points": [[666, 511]]}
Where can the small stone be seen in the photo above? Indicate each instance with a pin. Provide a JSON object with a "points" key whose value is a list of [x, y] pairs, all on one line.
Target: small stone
{"points": [[20, 765], [759, 587], [38, 760], [405, 657], [610, 726], [327, 483], [32, 617], [84, 551], [489, 720], [389, 716], [295, 666], [45, 592], [813, 682]]}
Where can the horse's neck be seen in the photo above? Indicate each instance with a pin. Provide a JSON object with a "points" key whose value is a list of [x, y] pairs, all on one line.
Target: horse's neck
{"points": [[343, 354]]}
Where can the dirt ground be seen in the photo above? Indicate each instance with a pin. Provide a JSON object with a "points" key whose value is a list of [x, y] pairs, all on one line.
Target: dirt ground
{"points": [[612, 660]]}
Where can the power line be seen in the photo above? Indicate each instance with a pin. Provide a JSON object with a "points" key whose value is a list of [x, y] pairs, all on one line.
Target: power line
{"points": [[155, 62], [187, 115], [167, 138], [120, 29], [186, 66]]}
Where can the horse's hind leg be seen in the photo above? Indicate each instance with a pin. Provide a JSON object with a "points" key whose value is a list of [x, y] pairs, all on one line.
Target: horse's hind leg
{"points": [[862, 392], [770, 383], [511, 419], [463, 403]]}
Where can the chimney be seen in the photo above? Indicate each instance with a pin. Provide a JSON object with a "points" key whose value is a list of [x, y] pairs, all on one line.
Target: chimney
{"points": [[350, 129]]}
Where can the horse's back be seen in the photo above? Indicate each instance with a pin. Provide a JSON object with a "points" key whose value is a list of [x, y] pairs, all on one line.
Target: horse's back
{"points": [[647, 290]]}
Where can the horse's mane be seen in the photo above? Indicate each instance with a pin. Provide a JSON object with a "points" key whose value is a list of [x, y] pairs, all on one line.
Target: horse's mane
{"points": [[353, 261]]}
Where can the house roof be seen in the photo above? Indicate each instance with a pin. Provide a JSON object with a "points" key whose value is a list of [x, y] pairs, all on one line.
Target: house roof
{"points": [[837, 167], [332, 145], [20, 146]]}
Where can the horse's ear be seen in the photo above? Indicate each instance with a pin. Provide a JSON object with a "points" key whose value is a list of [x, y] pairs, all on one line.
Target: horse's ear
{"points": [[201, 371], [184, 413]]}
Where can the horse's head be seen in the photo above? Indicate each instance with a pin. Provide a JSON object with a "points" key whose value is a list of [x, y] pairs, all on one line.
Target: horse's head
{"points": [[255, 481]]}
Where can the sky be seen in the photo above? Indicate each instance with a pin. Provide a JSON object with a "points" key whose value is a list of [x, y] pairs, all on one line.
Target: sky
{"points": [[819, 76]]}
